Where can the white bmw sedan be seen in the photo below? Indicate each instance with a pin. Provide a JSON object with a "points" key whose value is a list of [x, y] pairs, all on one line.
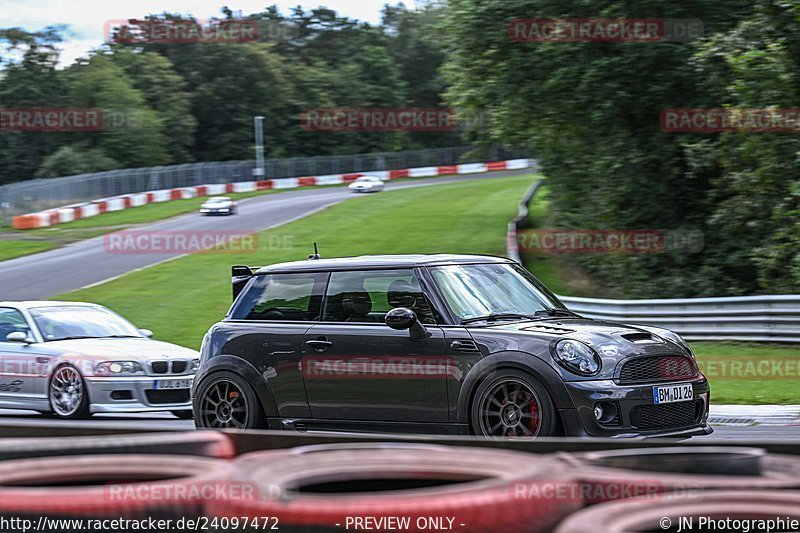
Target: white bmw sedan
{"points": [[367, 184], [74, 359]]}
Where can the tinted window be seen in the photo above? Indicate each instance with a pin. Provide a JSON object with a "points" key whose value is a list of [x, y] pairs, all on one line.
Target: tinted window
{"points": [[11, 321], [295, 297], [366, 296]]}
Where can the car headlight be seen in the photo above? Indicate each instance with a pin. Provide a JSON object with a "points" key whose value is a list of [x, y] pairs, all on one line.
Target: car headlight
{"points": [[577, 357], [195, 364], [118, 368]]}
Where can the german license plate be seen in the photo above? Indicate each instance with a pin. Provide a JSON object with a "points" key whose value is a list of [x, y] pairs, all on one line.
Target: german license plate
{"points": [[159, 384], [681, 392]]}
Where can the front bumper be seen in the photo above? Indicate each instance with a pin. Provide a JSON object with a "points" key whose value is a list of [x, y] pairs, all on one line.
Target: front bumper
{"points": [[638, 415], [137, 394], [206, 211]]}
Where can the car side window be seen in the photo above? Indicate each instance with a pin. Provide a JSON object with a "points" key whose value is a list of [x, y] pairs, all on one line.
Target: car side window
{"points": [[282, 297], [11, 321], [366, 296]]}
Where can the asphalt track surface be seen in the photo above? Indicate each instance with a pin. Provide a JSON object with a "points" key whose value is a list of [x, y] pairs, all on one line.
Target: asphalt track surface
{"points": [[48, 274], [45, 275], [155, 421]]}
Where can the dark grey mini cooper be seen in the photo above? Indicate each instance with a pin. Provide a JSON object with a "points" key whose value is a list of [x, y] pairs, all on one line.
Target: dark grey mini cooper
{"points": [[459, 344]]}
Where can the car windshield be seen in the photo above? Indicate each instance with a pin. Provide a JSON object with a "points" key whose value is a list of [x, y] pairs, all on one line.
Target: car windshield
{"points": [[80, 322], [483, 290]]}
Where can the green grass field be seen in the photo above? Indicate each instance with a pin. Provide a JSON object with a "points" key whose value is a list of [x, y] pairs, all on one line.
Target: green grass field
{"points": [[750, 373], [180, 299]]}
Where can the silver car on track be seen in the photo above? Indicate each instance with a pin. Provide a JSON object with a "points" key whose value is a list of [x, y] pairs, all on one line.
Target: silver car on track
{"points": [[74, 359]]}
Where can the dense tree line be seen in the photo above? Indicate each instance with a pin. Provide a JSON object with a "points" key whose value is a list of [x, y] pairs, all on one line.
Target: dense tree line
{"points": [[180, 102], [591, 113]]}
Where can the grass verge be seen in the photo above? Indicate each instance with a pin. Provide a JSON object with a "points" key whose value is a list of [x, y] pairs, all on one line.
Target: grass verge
{"points": [[750, 373]]}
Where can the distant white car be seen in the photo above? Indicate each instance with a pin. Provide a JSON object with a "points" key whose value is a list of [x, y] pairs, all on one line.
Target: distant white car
{"points": [[218, 205], [367, 184], [74, 359]]}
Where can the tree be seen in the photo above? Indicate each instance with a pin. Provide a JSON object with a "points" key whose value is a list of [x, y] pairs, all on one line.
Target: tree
{"points": [[165, 93], [590, 111], [133, 134]]}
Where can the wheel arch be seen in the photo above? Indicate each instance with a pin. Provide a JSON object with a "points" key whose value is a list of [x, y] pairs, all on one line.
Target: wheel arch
{"points": [[523, 361], [248, 372]]}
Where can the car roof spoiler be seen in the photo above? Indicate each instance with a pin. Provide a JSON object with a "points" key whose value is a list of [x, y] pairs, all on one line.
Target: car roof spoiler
{"points": [[240, 275]]}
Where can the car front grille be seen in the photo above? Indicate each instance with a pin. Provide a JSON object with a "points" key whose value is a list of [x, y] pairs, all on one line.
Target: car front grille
{"points": [[169, 367], [156, 397], [657, 369], [668, 416]]}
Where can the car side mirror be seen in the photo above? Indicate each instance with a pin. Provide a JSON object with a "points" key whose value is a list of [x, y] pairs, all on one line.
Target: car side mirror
{"points": [[146, 332], [401, 318], [18, 336]]}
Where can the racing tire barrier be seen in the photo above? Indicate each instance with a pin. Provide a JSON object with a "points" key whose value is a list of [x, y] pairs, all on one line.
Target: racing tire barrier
{"points": [[668, 513], [108, 486], [200, 443], [647, 472], [327, 487]]}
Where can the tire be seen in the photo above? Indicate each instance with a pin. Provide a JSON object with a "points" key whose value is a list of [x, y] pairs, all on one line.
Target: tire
{"points": [[199, 443], [657, 514], [89, 486], [187, 414], [611, 474], [213, 389], [522, 405], [317, 487], [61, 386]]}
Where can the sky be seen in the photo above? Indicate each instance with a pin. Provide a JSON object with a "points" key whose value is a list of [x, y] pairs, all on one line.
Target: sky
{"points": [[85, 19]]}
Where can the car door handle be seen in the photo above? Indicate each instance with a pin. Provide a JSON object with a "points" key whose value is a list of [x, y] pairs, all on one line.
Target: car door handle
{"points": [[319, 345]]}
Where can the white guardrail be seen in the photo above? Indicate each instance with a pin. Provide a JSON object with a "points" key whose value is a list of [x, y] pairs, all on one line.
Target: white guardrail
{"points": [[769, 318]]}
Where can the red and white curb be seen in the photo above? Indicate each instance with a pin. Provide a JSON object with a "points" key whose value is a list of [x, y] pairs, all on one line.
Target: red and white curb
{"points": [[69, 213]]}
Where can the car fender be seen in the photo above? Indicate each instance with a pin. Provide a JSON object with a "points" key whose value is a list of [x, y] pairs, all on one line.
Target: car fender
{"points": [[533, 365], [248, 372]]}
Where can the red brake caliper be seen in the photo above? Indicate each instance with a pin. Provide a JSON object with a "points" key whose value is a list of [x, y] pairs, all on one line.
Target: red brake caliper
{"points": [[534, 415]]}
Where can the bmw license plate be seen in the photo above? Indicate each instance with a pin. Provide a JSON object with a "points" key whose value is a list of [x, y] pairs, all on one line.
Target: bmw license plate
{"points": [[681, 392], [160, 384]]}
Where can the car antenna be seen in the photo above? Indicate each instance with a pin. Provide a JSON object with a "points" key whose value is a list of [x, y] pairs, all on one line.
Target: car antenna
{"points": [[315, 255]]}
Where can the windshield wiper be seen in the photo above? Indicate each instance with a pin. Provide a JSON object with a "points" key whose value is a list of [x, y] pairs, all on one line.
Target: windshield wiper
{"points": [[73, 338], [496, 316], [555, 311], [119, 337]]}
